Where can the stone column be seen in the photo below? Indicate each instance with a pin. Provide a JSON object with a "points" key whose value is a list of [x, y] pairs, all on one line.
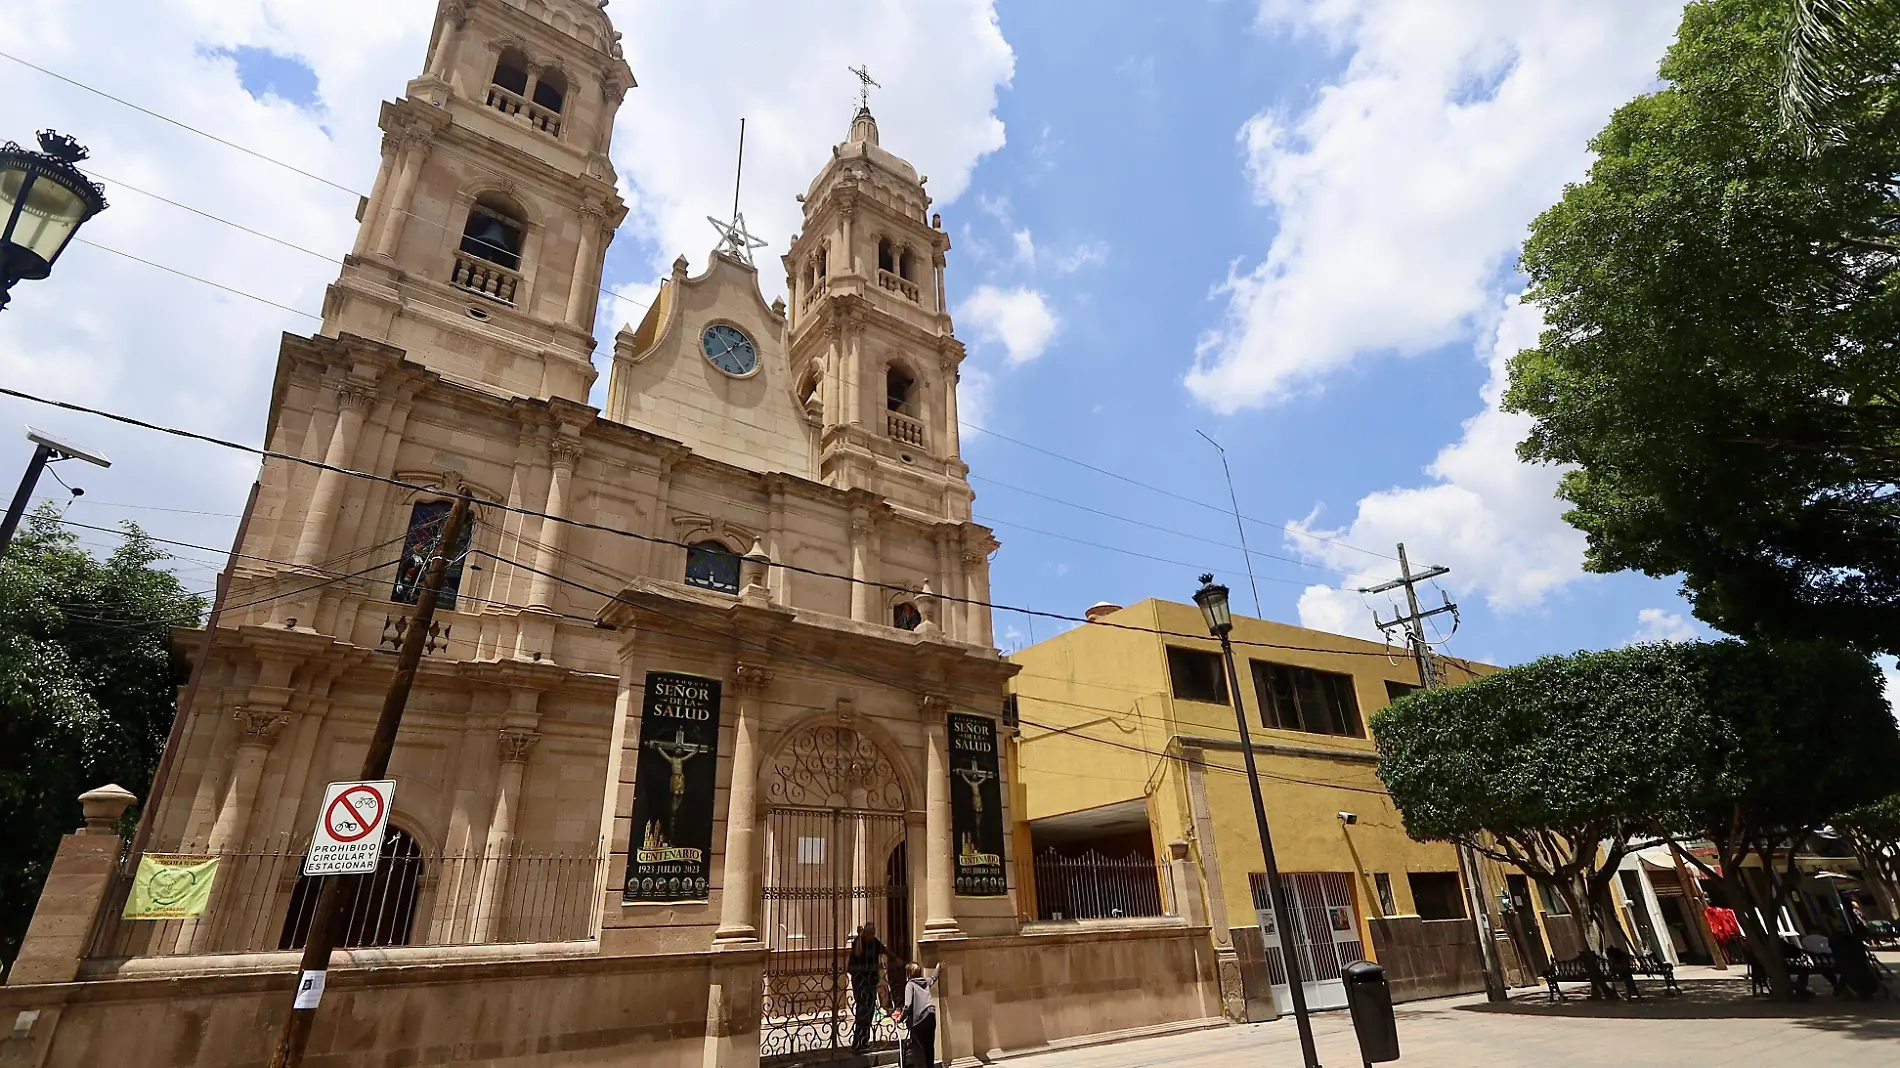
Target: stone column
{"points": [[442, 60], [57, 939], [739, 885], [313, 544], [939, 912], [414, 141], [862, 530], [581, 290], [372, 211], [257, 729], [514, 746], [952, 441], [563, 455], [1187, 886], [612, 94]]}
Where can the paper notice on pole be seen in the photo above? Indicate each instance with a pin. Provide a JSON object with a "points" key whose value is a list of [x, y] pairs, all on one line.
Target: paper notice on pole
{"points": [[310, 989], [350, 827]]}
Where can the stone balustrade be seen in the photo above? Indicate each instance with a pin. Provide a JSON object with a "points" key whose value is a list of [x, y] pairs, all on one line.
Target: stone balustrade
{"points": [[488, 279], [898, 284], [903, 428], [520, 108]]}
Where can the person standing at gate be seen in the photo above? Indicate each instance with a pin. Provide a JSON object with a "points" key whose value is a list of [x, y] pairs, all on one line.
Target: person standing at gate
{"points": [[920, 1015], [864, 963]]}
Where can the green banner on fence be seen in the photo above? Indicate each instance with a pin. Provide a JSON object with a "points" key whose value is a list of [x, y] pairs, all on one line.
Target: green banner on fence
{"points": [[171, 886]]}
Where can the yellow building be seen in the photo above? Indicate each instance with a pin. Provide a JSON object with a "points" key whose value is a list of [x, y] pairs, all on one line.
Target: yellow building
{"points": [[1127, 745]]}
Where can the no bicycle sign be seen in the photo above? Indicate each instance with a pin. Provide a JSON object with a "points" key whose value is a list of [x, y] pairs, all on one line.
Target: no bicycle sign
{"points": [[350, 828]]}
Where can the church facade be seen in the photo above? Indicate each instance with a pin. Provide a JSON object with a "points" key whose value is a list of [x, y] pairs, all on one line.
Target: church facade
{"points": [[712, 681]]}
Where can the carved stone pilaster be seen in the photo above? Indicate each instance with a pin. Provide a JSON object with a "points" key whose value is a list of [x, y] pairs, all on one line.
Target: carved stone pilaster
{"points": [[933, 707], [258, 726], [563, 453], [751, 679], [513, 744]]}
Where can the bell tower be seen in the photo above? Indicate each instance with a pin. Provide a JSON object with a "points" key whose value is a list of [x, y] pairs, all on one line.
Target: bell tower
{"points": [[480, 245], [872, 351]]}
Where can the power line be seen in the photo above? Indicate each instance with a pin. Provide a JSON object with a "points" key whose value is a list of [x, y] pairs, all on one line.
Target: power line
{"points": [[199, 278], [649, 538]]}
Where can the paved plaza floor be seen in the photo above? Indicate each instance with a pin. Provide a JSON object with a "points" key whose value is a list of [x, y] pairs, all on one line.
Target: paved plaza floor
{"points": [[1714, 1024]]}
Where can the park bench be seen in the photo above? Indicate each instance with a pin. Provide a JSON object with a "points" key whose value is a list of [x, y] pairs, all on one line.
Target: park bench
{"points": [[1799, 964], [1626, 968]]}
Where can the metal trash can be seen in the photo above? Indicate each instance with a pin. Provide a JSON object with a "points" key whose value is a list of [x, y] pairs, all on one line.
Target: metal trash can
{"points": [[1369, 997]]}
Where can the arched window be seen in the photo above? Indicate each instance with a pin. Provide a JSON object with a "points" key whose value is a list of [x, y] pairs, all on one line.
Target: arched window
{"points": [[906, 266], [493, 232], [511, 71], [712, 566], [550, 90], [384, 908], [886, 260], [898, 389], [905, 616], [808, 388], [418, 545], [824, 256]]}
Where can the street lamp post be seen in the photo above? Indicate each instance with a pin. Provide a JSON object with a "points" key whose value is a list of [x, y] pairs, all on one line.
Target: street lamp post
{"points": [[1220, 622], [44, 199], [46, 449]]}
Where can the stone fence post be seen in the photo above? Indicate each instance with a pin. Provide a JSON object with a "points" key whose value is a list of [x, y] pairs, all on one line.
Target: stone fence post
{"points": [[76, 886], [1185, 881]]}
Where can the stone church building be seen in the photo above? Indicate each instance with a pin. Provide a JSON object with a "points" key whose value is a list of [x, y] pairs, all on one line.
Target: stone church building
{"points": [[707, 668]]}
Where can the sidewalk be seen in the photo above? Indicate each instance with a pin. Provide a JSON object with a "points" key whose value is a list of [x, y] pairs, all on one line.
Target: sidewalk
{"points": [[1714, 1024]]}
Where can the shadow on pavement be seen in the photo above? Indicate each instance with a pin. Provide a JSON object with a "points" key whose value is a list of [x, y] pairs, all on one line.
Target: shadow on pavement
{"points": [[1713, 999]]}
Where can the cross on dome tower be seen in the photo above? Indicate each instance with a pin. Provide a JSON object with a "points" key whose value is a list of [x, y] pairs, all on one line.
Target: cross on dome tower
{"points": [[481, 242]]}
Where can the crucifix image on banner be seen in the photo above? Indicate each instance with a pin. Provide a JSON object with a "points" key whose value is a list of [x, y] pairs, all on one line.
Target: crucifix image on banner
{"points": [[670, 857], [976, 807]]}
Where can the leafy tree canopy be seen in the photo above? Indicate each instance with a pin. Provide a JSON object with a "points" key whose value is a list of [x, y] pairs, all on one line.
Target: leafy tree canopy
{"points": [[87, 688], [1721, 358]]}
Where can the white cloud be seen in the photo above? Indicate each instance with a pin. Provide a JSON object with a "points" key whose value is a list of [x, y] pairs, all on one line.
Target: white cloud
{"points": [[702, 66], [1661, 625], [1019, 319], [1025, 247], [1086, 254], [1490, 518], [1403, 192]]}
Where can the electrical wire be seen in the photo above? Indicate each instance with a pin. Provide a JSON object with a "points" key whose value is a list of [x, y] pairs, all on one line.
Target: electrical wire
{"points": [[649, 538]]}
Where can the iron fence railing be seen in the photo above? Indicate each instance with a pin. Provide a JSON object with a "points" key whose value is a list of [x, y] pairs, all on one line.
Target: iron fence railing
{"points": [[260, 901], [1091, 886]]}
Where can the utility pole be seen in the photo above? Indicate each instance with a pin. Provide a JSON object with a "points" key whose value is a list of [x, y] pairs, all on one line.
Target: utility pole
{"points": [[1413, 624], [330, 899]]}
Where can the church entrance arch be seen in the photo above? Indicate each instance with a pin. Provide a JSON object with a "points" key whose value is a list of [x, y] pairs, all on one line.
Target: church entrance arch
{"points": [[836, 857]]}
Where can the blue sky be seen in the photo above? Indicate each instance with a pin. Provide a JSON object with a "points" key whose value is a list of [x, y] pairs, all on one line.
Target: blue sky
{"points": [[1288, 225]]}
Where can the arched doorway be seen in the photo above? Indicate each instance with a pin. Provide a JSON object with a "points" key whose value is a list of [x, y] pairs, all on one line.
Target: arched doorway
{"points": [[383, 911], [836, 857]]}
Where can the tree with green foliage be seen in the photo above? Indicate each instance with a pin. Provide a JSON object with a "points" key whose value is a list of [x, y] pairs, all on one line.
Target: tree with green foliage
{"points": [[1557, 767], [1840, 61], [1721, 344], [1568, 761], [1795, 734], [1874, 831], [88, 686]]}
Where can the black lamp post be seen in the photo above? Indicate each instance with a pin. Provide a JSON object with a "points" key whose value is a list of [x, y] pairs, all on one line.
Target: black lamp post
{"points": [[1220, 622], [45, 199]]}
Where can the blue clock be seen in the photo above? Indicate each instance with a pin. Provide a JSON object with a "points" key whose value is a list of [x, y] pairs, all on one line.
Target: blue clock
{"points": [[729, 349]]}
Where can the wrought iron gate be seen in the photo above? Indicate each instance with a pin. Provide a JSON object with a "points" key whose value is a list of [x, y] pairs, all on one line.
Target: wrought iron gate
{"points": [[1328, 928], [828, 871]]}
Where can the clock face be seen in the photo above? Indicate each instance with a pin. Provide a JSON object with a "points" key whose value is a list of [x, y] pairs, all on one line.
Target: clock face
{"points": [[729, 349]]}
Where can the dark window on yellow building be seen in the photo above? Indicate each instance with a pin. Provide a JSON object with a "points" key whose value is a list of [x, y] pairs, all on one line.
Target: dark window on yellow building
{"points": [[1301, 699], [1396, 690], [1197, 676], [1437, 895], [1388, 904], [1553, 902]]}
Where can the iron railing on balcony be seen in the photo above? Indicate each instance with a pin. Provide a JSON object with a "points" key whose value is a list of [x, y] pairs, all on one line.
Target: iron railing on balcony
{"points": [[1091, 886], [261, 902]]}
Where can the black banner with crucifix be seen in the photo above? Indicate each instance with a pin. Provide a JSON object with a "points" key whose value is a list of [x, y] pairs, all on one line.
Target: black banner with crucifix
{"points": [[976, 806], [670, 856]]}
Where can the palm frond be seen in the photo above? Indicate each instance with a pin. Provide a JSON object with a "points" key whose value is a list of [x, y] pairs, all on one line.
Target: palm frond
{"points": [[1834, 51]]}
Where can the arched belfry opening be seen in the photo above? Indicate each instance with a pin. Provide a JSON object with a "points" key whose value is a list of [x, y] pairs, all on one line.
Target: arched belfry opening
{"points": [[836, 856]]}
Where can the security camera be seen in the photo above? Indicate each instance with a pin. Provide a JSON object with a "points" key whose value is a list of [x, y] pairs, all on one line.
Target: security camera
{"points": [[65, 449], [1348, 818]]}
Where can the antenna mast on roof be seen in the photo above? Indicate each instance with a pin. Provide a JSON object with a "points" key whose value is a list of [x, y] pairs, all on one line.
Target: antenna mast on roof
{"points": [[734, 239]]}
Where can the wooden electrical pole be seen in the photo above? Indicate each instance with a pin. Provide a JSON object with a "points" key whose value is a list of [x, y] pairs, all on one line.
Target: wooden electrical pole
{"points": [[1413, 624], [322, 938]]}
